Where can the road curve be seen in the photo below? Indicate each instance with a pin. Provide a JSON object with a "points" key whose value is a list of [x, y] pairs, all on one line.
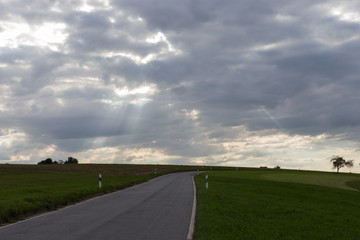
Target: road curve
{"points": [[156, 210]]}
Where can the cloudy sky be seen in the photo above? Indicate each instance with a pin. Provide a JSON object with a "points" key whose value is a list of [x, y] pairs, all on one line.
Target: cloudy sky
{"points": [[236, 83]]}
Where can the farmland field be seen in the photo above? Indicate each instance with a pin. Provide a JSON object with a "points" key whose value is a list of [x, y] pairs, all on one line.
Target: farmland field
{"points": [[31, 189], [278, 204]]}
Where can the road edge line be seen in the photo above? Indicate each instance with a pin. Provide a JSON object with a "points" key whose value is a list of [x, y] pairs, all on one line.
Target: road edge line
{"points": [[193, 214]]}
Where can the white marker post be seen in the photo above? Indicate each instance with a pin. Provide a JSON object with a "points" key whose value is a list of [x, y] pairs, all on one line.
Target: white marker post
{"points": [[155, 171], [99, 180], [206, 181]]}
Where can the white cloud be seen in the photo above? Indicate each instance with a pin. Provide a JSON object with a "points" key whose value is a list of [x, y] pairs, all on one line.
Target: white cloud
{"points": [[50, 34], [193, 114], [345, 14], [91, 6], [132, 155], [284, 18], [162, 54]]}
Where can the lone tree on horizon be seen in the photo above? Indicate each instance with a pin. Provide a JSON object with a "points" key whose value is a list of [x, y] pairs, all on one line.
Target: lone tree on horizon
{"points": [[339, 162]]}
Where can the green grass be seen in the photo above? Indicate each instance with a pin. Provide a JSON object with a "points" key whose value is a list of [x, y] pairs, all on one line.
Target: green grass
{"points": [[29, 192], [277, 204]]}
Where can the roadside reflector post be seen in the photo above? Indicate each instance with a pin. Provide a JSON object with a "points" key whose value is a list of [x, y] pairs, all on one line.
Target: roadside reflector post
{"points": [[206, 181], [155, 171], [100, 180]]}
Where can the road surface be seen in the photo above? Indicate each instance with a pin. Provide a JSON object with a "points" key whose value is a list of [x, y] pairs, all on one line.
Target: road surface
{"points": [[156, 210]]}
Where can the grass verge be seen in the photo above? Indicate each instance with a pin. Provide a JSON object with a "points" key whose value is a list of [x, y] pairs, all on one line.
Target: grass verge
{"points": [[272, 205]]}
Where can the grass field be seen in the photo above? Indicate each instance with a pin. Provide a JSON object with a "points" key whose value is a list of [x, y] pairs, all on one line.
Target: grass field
{"points": [[30, 189], [278, 204]]}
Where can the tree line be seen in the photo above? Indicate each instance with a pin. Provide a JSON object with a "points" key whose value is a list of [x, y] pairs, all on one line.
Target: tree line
{"points": [[70, 160]]}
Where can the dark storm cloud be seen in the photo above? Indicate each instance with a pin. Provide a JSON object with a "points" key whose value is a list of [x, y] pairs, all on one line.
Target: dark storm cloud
{"points": [[333, 63], [169, 15]]}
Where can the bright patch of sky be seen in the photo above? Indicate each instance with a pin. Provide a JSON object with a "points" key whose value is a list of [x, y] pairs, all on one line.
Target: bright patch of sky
{"points": [[50, 35], [345, 14], [163, 54]]}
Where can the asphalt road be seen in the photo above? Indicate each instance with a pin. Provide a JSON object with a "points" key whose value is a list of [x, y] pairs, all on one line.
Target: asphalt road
{"points": [[156, 210]]}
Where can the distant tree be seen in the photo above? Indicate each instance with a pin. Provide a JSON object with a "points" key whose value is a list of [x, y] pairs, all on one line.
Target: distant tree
{"points": [[339, 162], [71, 160], [46, 161], [277, 167]]}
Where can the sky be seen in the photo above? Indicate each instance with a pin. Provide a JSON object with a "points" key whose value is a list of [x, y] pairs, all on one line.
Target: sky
{"points": [[209, 82]]}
